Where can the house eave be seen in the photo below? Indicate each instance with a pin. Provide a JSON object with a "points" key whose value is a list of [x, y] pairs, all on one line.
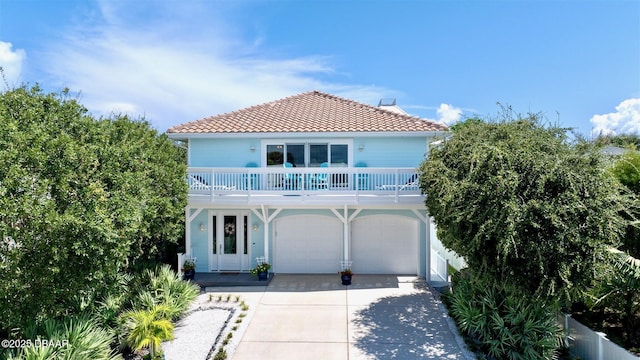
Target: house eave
{"points": [[341, 134]]}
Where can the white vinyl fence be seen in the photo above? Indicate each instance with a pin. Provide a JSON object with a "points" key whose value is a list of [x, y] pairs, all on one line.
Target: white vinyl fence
{"points": [[439, 266], [454, 260], [591, 345]]}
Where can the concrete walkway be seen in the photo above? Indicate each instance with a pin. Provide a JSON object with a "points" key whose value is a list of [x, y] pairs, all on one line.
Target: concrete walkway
{"points": [[377, 317]]}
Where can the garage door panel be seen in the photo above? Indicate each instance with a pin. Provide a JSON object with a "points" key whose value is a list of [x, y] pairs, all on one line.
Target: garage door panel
{"points": [[384, 244], [307, 244]]}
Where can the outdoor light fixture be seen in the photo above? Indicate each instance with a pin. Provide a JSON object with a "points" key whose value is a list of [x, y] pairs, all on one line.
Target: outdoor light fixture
{"points": [[361, 147], [252, 148], [201, 227], [256, 226]]}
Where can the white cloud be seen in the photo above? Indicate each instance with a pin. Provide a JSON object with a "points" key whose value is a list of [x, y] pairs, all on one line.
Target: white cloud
{"points": [[11, 62], [181, 64], [625, 120], [448, 114]]}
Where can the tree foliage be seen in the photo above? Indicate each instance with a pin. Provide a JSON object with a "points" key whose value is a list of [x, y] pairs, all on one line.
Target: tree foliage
{"points": [[81, 199], [626, 169], [523, 204], [622, 140]]}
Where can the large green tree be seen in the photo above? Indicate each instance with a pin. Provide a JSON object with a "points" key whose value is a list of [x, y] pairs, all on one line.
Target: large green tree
{"points": [[81, 199], [523, 204], [626, 168]]}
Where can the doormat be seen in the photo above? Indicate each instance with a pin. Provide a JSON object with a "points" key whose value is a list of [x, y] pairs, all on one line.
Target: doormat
{"points": [[229, 273]]}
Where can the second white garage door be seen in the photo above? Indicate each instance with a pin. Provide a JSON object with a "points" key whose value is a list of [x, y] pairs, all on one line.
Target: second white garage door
{"points": [[309, 244], [384, 244]]}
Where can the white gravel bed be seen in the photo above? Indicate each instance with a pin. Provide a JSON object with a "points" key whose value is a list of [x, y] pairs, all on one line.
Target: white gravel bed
{"points": [[211, 318], [196, 334]]}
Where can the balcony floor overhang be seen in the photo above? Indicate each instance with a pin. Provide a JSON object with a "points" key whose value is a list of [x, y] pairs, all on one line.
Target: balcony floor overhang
{"points": [[271, 199]]}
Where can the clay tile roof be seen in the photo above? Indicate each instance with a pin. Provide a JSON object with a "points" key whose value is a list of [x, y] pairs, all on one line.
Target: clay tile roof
{"points": [[312, 111]]}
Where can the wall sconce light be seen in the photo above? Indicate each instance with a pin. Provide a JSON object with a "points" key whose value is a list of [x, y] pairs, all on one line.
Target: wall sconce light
{"points": [[361, 147], [252, 148], [201, 227], [256, 226]]}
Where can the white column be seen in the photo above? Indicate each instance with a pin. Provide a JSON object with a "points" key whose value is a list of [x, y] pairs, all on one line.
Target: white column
{"points": [[266, 242], [265, 217], [187, 234], [427, 245], [346, 240], [426, 220], [601, 338]]}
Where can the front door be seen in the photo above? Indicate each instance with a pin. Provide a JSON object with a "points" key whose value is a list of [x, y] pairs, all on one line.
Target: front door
{"points": [[228, 242]]}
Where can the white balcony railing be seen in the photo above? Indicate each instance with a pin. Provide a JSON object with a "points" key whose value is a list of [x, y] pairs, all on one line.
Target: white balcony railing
{"points": [[308, 182]]}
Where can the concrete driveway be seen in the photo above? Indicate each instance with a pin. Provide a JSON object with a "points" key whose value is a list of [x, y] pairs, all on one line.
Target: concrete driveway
{"points": [[377, 317]]}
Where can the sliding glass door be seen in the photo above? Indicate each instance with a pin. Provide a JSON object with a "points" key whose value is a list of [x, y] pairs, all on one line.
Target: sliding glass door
{"points": [[307, 154]]}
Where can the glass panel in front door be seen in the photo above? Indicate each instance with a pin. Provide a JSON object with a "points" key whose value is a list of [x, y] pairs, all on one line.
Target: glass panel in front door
{"points": [[246, 235], [230, 235], [215, 234]]}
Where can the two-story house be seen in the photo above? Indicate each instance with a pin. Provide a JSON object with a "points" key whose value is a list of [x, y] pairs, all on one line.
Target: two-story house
{"points": [[306, 182]]}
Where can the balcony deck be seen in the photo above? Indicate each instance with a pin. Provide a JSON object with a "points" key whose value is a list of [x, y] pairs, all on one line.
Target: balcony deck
{"points": [[279, 185]]}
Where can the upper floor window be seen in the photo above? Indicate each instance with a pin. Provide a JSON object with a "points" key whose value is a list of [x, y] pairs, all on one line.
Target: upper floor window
{"points": [[308, 154]]}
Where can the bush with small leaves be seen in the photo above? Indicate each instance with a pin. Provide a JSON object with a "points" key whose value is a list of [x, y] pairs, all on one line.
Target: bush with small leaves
{"points": [[523, 202]]}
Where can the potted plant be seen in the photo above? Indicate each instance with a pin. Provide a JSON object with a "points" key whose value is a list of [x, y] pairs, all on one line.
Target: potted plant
{"points": [[261, 270], [189, 269], [346, 275]]}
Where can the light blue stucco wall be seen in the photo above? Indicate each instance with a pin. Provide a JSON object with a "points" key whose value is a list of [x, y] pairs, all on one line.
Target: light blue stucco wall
{"points": [[376, 151], [200, 242], [390, 152], [232, 152]]}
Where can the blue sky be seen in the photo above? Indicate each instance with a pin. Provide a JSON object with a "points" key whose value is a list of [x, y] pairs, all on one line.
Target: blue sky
{"points": [[173, 61]]}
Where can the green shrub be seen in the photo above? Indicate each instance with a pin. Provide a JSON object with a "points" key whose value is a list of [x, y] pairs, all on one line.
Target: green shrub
{"points": [[220, 355], [108, 310], [501, 322], [616, 292], [148, 328], [75, 338], [166, 287]]}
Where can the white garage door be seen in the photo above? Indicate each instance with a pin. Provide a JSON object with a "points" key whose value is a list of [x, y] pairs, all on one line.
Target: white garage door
{"points": [[308, 244], [384, 244]]}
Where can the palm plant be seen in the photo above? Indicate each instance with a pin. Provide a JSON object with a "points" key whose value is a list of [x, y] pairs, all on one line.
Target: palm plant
{"points": [[109, 309], [620, 289], [76, 338], [169, 289], [148, 328], [502, 323]]}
